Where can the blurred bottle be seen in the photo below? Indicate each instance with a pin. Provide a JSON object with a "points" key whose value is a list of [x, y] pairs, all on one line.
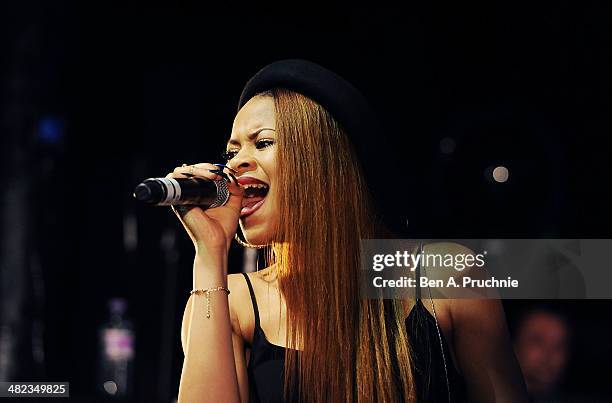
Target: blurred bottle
{"points": [[116, 352]]}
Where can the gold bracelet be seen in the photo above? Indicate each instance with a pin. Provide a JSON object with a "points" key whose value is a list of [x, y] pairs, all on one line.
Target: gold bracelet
{"points": [[207, 291]]}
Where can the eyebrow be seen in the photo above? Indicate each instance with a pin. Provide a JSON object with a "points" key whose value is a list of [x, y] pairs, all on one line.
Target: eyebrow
{"points": [[250, 136]]}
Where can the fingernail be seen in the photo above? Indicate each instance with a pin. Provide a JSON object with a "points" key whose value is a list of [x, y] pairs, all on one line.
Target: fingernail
{"points": [[220, 173], [234, 178], [225, 166]]}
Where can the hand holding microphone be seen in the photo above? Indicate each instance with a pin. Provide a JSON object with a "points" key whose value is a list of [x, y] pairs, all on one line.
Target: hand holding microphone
{"points": [[169, 191], [214, 197]]}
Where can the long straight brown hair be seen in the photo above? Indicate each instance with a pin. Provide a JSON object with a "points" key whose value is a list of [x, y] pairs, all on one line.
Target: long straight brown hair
{"points": [[352, 349]]}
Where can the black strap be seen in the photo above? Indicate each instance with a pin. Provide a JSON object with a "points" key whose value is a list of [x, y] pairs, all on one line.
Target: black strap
{"points": [[253, 300], [418, 275]]}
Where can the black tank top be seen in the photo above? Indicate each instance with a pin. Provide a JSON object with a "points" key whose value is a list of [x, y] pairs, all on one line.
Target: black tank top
{"points": [[436, 379]]}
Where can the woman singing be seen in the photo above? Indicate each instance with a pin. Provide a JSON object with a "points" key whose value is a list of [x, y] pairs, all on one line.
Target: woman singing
{"points": [[298, 329]]}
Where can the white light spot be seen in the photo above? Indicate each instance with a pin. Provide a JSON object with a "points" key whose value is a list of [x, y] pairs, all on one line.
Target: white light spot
{"points": [[110, 387], [501, 174]]}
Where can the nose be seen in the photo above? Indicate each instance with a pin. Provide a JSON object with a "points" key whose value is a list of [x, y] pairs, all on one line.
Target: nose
{"points": [[243, 162]]}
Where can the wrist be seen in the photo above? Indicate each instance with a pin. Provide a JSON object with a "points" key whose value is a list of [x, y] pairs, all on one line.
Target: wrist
{"points": [[204, 249], [209, 272], [212, 259]]}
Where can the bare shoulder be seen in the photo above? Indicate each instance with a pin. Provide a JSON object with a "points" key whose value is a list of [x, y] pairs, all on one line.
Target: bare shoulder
{"points": [[442, 261], [449, 312], [239, 301], [478, 315], [236, 283], [447, 247], [446, 264], [240, 305], [450, 249]]}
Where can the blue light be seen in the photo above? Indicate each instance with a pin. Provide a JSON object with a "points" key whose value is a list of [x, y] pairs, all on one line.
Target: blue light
{"points": [[51, 129]]}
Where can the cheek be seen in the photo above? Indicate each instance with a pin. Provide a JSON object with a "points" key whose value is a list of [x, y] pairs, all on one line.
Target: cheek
{"points": [[530, 355], [272, 202], [267, 159], [269, 165]]}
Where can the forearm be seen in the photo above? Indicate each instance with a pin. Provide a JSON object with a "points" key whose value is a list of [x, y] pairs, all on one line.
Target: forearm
{"points": [[209, 372]]}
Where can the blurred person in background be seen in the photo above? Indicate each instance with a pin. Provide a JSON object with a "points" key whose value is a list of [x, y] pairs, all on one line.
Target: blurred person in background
{"points": [[542, 346]]}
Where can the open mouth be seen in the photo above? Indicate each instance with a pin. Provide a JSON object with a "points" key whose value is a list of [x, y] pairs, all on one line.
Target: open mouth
{"points": [[255, 193]]}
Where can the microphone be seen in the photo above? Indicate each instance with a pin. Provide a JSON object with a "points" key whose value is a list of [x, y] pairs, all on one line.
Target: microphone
{"points": [[199, 192]]}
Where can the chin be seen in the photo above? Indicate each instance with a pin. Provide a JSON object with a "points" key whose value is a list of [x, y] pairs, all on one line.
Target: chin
{"points": [[259, 234]]}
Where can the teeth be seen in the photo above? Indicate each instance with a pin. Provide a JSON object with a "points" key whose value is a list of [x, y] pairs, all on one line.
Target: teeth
{"points": [[255, 185]]}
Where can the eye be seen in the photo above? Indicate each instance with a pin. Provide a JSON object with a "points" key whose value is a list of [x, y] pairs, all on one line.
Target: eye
{"points": [[263, 143], [228, 155]]}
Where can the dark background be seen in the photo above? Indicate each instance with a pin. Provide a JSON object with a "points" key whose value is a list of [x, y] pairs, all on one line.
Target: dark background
{"points": [[97, 96]]}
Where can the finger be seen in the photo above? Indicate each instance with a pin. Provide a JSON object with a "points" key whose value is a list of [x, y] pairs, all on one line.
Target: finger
{"points": [[198, 170], [220, 173], [223, 166], [195, 167], [236, 193], [194, 220], [235, 180], [176, 175]]}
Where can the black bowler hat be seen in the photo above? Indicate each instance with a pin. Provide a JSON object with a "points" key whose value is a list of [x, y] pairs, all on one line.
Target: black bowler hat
{"points": [[350, 109], [345, 103]]}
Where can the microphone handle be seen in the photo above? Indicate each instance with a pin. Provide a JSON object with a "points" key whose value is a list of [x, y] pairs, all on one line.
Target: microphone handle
{"points": [[183, 191]]}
